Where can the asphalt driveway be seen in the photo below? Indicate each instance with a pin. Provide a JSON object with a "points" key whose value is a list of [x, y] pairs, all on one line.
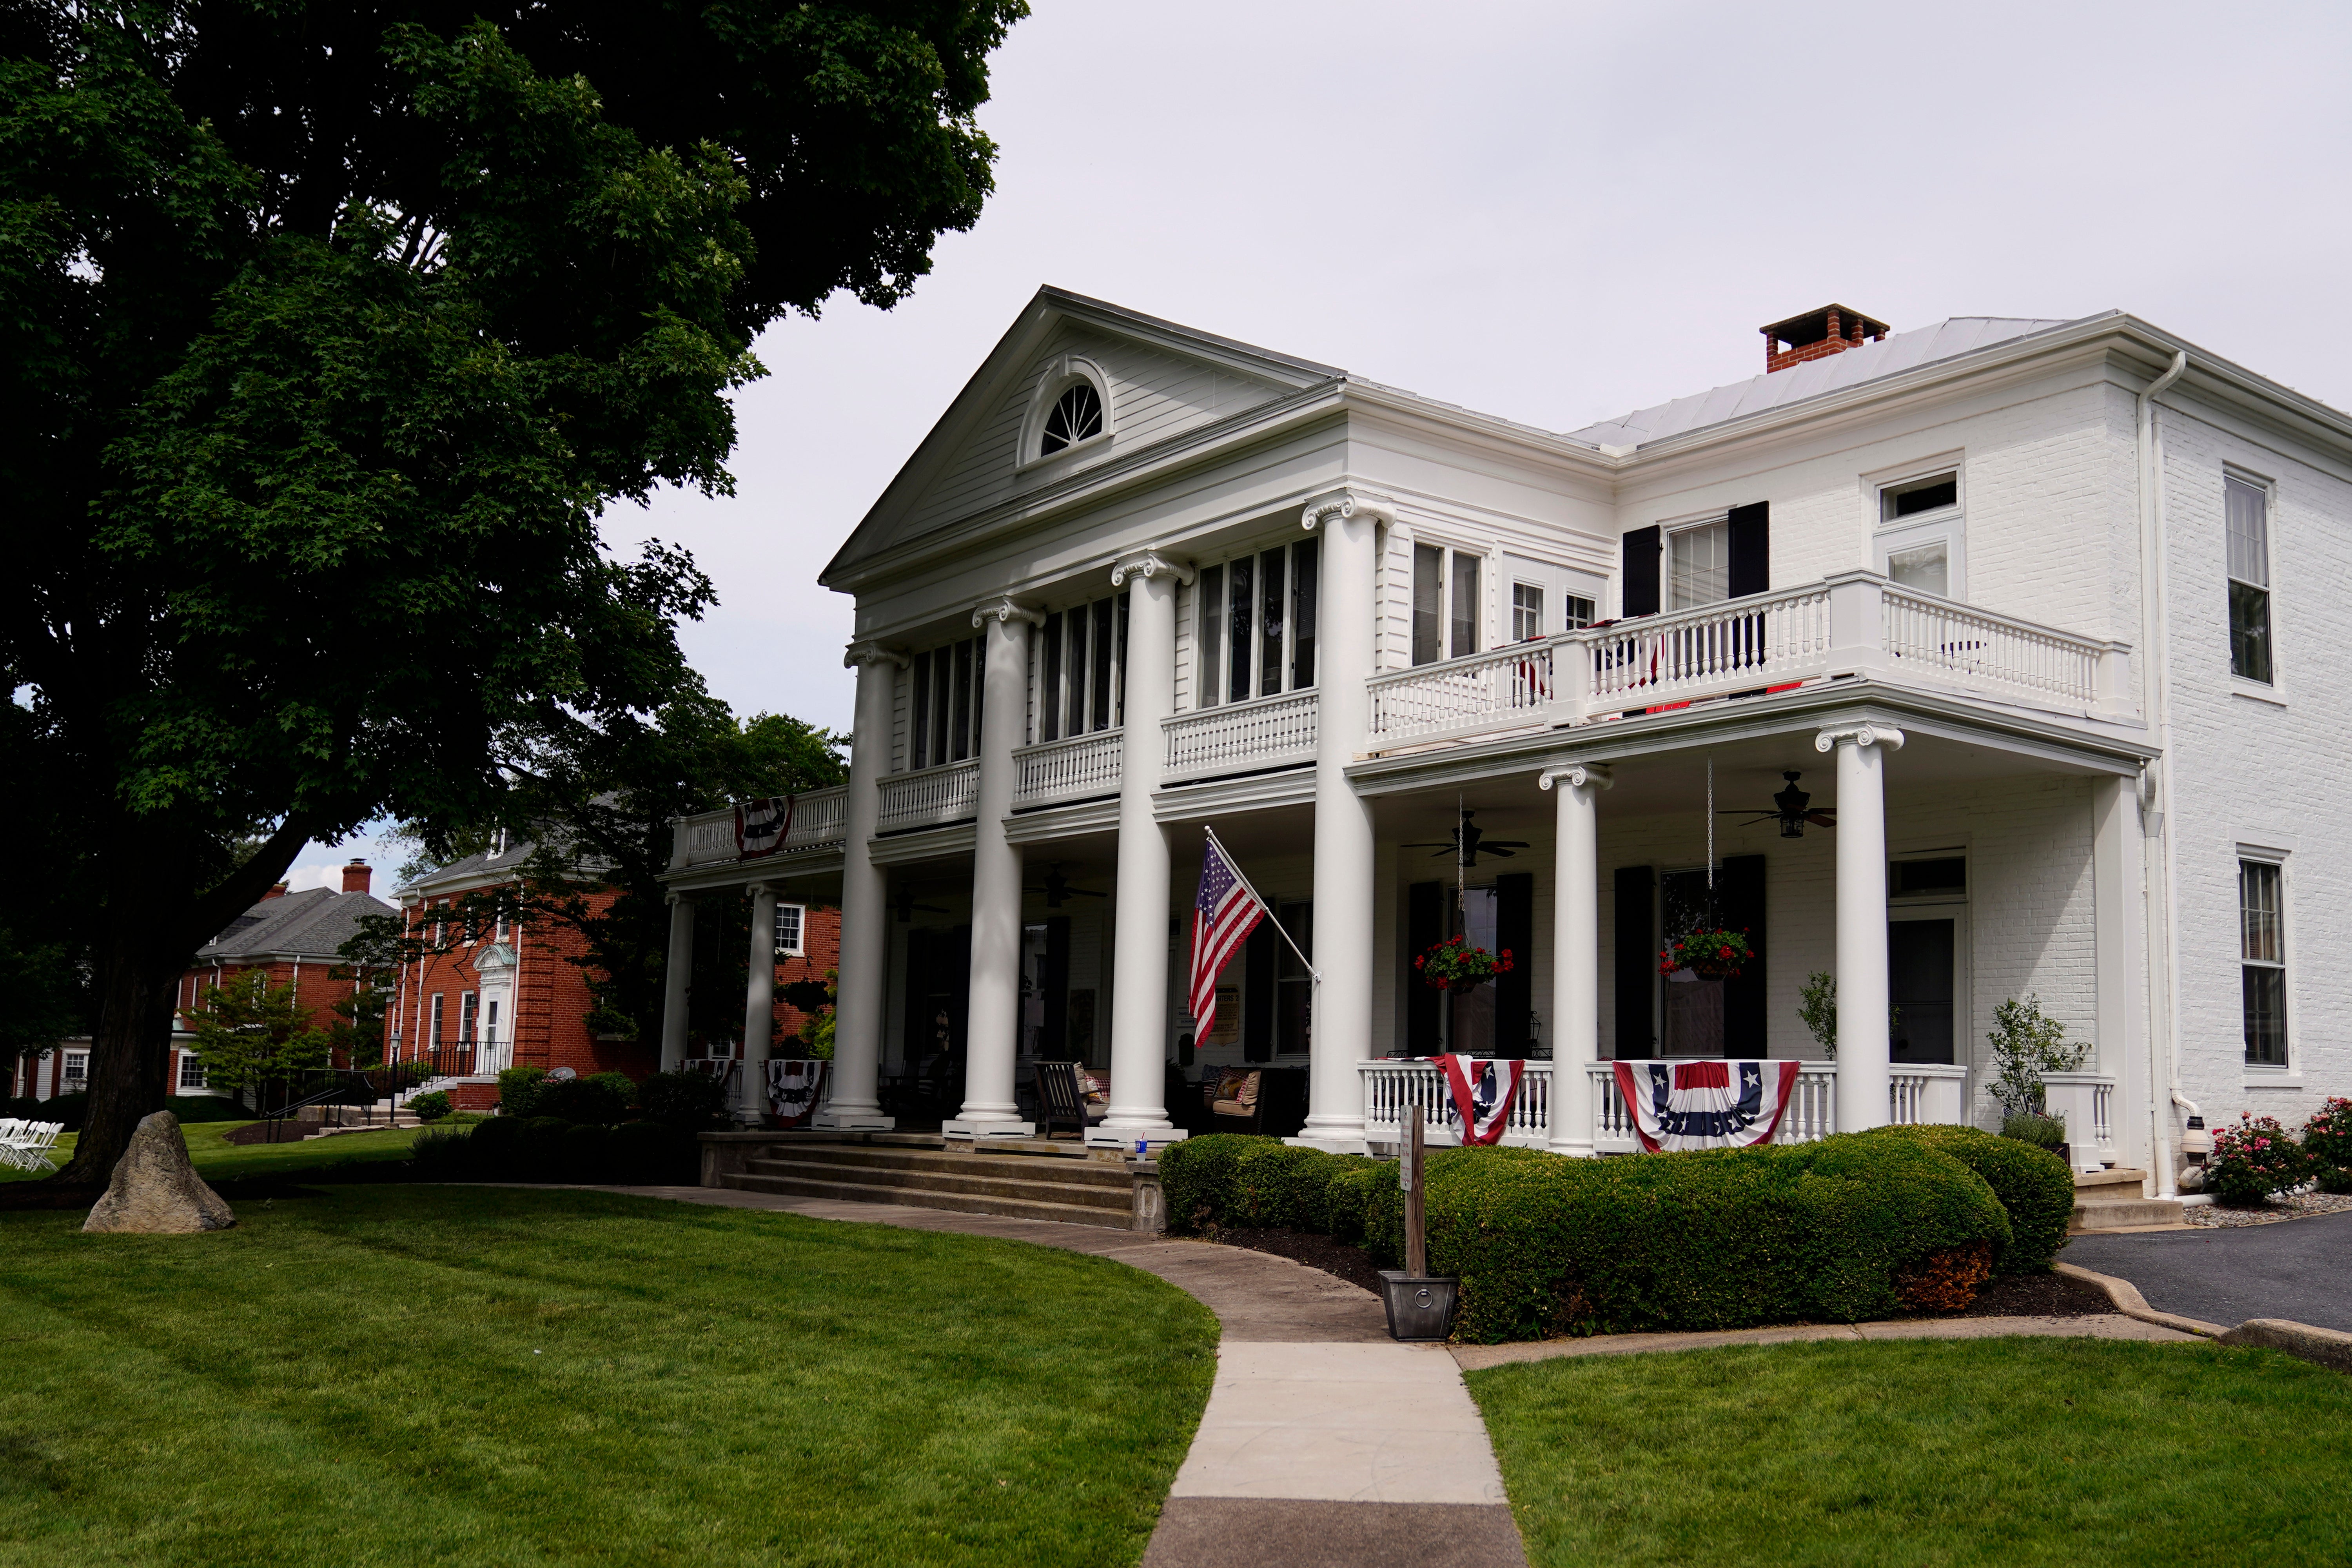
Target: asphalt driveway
{"points": [[2299, 1269]]}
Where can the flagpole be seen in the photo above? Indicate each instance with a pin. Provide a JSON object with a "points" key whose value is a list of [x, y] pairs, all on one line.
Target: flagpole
{"points": [[1264, 906]]}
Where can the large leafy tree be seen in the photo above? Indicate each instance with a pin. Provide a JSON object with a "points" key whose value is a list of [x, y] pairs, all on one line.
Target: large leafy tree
{"points": [[329, 331]]}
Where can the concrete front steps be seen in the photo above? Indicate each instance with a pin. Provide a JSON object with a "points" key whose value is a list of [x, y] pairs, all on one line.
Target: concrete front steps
{"points": [[1030, 1180], [2111, 1200]]}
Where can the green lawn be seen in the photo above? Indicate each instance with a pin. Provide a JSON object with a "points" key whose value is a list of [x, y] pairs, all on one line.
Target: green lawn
{"points": [[216, 1160], [435, 1374], [1927, 1452]]}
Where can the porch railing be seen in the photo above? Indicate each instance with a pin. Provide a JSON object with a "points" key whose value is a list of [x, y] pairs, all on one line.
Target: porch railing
{"points": [[2087, 1101], [929, 796], [1855, 623], [1915, 1094], [1265, 732], [1070, 769], [819, 819]]}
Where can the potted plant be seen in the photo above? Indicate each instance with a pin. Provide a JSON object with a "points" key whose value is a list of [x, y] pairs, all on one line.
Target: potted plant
{"points": [[1458, 965], [1706, 954]]}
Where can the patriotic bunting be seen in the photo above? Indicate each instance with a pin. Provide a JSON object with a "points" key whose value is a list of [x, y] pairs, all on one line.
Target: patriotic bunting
{"points": [[760, 825], [1705, 1105], [1482, 1092], [792, 1088]]}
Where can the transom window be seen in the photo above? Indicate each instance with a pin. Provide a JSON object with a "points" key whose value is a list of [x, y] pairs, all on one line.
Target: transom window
{"points": [[1913, 497], [1445, 603], [944, 726], [1701, 559], [1256, 616], [2248, 505], [1077, 415], [1922, 540], [2261, 960], [1081, 668]]}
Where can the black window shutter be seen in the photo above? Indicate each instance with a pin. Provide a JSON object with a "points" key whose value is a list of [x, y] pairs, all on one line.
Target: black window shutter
{"points": [[1642, 546], [1056, 1032], [1424, 928], [1636, 963], [1751, 549], [1257, 994], [1739, 896], [1515, 931]]}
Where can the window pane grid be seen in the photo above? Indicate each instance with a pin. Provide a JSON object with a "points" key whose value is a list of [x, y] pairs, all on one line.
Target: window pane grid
{"points": [[2262, 952], [1255, 615]]}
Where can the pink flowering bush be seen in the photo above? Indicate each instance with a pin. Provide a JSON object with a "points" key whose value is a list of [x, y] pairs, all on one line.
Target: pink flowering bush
{"points": [[2252, 1160], [2327, 1144]]}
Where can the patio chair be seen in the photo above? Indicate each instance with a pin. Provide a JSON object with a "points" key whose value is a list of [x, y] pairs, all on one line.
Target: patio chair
{"points": [[1062, 1098]]}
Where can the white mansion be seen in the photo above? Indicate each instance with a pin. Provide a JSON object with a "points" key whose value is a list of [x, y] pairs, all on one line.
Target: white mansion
{"points": [[2035, 612]]}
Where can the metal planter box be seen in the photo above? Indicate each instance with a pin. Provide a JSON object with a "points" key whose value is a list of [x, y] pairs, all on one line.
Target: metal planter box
{"points": [[1421, 1308]]}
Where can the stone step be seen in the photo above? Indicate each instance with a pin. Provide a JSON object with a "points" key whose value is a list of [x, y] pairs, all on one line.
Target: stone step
{"points": [[918, 1197], [2121, 1177], [967, 1183], [2122, 1213], [1074, 1173]]}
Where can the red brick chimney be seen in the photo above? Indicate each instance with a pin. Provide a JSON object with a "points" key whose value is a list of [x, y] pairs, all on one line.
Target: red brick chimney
{"points": [[1817, 334], [356, 877], [277, 892]]}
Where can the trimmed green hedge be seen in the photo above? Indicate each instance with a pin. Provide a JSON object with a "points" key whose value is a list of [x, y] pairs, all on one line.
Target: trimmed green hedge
{"points": [[2032, 1184], [1234, 1179], [548, 1149]]}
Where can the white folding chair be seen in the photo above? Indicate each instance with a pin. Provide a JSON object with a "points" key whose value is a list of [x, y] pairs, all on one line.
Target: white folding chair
{"points": [[35, 1149]]}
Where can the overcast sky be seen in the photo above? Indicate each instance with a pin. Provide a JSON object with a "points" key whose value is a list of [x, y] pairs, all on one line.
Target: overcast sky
{"points": [[1553, 213]]}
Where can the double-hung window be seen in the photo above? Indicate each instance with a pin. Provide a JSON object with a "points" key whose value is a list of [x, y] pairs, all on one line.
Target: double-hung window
{"points": [[1255, 618], [1921, 540], [439, 1000], [191, 1071], [788, 929], [2248, 505], [1081, 668], [1446, 603], [1700, 559], [2262, 961], [468, 1009], [944, 724]]}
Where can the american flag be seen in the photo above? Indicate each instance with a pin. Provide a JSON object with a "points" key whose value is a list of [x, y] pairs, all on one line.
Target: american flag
{"points": [[1225, 913]]}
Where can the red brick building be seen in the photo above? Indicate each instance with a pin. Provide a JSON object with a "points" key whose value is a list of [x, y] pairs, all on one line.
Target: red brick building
{"points": [[501, 995]]}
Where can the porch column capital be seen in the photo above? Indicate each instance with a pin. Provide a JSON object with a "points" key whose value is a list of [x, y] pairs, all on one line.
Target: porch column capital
{"points": [[1885, 735], [1004, 611], [859, 653], [1578, 774], [1346, 503], [1147, 564]]}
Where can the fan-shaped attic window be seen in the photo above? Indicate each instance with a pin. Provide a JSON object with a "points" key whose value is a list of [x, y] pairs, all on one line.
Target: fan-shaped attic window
{"points": [[1077, 415]]}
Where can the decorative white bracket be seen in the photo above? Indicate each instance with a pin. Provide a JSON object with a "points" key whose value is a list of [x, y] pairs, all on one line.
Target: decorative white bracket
{"points": [[1003, 609], [1346, 503], [1885, 735], [1578, 774], [859, 653], [1147, 564]]}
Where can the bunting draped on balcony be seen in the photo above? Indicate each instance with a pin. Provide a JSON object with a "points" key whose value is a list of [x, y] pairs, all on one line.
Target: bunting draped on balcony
{"points": [[760, 825], [1482, 1091], [1705, 1105]]}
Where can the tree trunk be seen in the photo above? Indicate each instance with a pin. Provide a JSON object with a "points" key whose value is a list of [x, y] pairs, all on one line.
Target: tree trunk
{"points": [[138, 981]]}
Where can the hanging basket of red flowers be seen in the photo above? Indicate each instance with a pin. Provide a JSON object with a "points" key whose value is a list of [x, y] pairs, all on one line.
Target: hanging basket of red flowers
{"points": [[1455, 965], [1709, 954]]}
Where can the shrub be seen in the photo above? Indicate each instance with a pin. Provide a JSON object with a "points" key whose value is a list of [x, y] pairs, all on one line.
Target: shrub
{"points": [[688, 1100], [603, 1097], [430, 1108], [2033, 1127], [442, 1154], [1945, 1281], [2035, 1186], [2327, 1143], [2252, 1160], [2025, 1045], [494, 1149], [518, 1089], [654, 1153], [68, 1108], [583, 1153], [1234, 1179], [1723, 1238], [539, 1147], [1349, 1191], [193, 1109]]}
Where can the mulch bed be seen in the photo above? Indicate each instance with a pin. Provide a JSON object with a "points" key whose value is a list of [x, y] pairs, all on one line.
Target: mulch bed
{"points": [[2010, 1296]]}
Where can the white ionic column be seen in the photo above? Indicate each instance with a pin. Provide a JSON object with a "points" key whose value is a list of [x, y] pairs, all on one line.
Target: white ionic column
{"points": [[863, 973], [992, 1035], [1575, 952], [1139, 997], [759, 1010], [676, 975], [1862, 1047], [1340, 1038]]}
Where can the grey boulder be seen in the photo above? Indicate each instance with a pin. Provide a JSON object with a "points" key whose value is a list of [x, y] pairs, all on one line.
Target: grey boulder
{"points": [[155, 1190]]}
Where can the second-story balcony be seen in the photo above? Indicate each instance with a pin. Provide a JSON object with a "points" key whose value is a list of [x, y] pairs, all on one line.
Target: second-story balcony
{"points": [[819, 820]]}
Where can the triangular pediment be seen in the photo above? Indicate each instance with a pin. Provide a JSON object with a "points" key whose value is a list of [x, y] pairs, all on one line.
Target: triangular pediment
{"points": [[1159, 380]]}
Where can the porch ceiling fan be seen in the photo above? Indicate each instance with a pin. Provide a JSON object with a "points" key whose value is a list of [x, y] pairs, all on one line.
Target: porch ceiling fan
{"points": [[1789, 808], [1470, 841], [1057, 889]]}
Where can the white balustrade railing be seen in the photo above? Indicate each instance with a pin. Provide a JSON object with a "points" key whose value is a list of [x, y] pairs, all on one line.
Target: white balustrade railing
{"points": [[1855, 623], [1393, 1085], [819, 819], [929, 796], [1070, 769], [1260, 733], [1811, 1113], [2087, 1100], [1939, 640], [1918, 1094]]}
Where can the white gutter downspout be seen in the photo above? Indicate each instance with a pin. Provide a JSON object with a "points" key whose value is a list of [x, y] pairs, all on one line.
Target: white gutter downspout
{"points": [[2155, 795]]}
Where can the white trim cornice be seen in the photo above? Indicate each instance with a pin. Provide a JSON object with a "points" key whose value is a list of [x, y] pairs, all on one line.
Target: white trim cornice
{"points": [[1867, 735], [1004, 610], [1149, 564], [1578, 774], [859, 653], [1345, 503]]}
